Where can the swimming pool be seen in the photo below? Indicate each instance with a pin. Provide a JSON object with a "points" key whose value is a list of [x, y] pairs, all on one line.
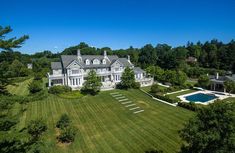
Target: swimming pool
{"points": [[200, 97]]}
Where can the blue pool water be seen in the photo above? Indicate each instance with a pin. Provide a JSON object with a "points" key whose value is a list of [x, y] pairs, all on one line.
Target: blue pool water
{"points": [[200, 97]]}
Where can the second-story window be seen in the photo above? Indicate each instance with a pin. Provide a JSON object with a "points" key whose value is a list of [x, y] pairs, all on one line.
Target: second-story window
{"points": [[117, 69], [87, 62], [104, 61], [96, 61], [75, 71]]}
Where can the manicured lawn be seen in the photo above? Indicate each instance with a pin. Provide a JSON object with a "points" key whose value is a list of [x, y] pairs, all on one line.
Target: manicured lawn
{"points": [[174, 96], [148, 88], [20, 88], [230, 99], [105, 125]]}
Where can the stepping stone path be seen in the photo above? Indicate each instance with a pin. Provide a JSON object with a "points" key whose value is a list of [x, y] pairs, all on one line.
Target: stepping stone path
{"points": [[134, 108], [126, 102], [138, 111], [130, 105], [122, 100], [120, 97]]}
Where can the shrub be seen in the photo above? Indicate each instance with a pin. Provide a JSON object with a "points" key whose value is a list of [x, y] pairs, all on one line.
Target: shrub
{"points": [[38, 76], [165, 98], [155, 88], [190, 106], [59, 89], [67, 135], [6, 123], [35, 86], [63, 122], [36, 128], [136, 85], [154, 151]]}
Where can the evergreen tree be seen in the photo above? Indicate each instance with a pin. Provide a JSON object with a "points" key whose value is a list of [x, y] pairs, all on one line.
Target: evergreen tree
{"points": [[128, 78], [8, 45], [92, 84]]}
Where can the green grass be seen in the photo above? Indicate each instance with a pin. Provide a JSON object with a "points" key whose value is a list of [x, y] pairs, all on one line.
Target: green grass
{"points": [[105, 125], [20, 88], [148, 88], [230, 99], [174, 96], [71, 95]]}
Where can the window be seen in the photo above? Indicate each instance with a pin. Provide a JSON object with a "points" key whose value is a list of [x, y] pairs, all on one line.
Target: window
{"points": [[87, 62], [96, 61], [104, 61], [75, 71], [117, 69]]}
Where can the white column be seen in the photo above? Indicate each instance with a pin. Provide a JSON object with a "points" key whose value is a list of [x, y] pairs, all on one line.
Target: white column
{"points": [[49, 83], [63, 81]]}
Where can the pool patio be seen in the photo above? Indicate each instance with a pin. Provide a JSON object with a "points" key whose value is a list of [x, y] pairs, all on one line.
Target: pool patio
{"points": [[219, 95]]}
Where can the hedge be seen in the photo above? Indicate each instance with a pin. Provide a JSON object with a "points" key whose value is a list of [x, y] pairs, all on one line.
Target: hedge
{"points": [[165, 98], [59, 89], [190, 106]]}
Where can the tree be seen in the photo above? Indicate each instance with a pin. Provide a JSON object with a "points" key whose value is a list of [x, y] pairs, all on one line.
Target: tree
{"points": [[229, 86], [154, 151], [8, 45], [35, 86], [63, 122], [18, 69], [128, 78], [67, 135], [155, 88], [36, 128], [12, 42], [92, 84], [181, 78], [148, 55], [203, 81], [211, 130], [156, 72]]}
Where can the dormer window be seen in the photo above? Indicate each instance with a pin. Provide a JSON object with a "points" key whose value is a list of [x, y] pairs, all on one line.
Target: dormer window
{"points": [[87, 62], [104, 61], [96, 61]]}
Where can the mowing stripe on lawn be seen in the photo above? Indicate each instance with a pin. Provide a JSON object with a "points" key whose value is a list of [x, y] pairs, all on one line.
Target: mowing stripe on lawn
{"points": [[134, 108], [130, 105]]}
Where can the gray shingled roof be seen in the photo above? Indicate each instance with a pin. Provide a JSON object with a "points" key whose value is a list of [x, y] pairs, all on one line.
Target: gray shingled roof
{"points": [[67, 59], [56, 65], [138, 70], [125, 62]]}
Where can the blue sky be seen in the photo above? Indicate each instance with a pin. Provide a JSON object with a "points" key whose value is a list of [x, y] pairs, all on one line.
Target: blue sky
{"points": [[55, 25]]}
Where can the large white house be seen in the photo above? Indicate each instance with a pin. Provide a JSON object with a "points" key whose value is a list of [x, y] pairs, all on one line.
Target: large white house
{"points": [[72, 70]]}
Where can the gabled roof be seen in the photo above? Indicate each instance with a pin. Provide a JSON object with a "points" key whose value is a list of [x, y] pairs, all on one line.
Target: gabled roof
{"points": [[138, 70], [67, 59], [56, 65], [125, 62]]}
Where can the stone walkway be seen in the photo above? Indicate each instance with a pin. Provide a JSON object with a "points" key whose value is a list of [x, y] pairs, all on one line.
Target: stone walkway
{"points": [[122, 99]]}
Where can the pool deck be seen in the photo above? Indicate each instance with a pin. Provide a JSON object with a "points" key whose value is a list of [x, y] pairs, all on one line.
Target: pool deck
{"points": [[220, 95]]}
